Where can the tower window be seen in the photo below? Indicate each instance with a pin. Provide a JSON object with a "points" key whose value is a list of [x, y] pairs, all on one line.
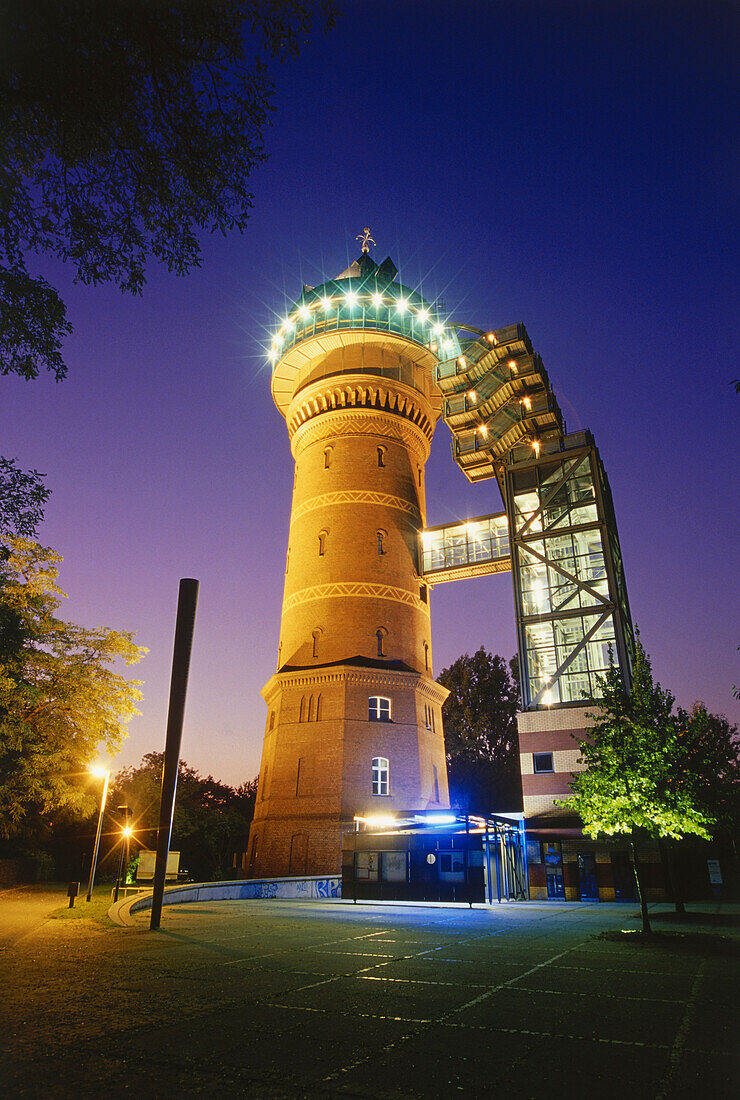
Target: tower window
{"points": [[327, 457], [271, 723], [315, 635], [318, 708], [420, 477], [322, 543], [426, 656], [427, 716], [381, 456], [381, 634], [302, 709], [379, 708], [542, 762], [381, 775], [382, 536]]}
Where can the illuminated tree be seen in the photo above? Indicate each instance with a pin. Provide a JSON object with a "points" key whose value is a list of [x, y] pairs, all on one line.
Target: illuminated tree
{"points": [[635, 759], [480, 732], [129, 128], [60, 701]]}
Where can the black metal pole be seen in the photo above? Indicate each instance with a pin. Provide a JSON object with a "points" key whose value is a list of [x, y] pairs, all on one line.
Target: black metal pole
{"points": [[186, 606], [96, 849]]}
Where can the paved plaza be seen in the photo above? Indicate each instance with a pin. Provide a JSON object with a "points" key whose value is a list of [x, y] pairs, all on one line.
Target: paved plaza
{"points": [[279, 999]]}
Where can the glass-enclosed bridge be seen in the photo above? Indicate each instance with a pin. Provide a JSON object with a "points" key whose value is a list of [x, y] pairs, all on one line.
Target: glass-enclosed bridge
{"points": [[557, 533]]}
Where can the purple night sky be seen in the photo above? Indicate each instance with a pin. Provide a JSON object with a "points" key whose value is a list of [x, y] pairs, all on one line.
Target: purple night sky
{"points": [[566, 165]]}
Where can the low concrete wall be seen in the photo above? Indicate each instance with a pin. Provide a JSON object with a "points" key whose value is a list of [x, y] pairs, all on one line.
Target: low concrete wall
{"points": [[313, 888]]}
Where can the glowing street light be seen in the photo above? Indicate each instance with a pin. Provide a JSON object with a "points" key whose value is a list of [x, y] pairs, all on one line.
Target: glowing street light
{"points": [[126, 833], [100, 773]]}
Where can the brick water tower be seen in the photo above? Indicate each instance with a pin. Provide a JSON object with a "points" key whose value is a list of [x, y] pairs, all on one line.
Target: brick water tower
{"points": [[354, 723]]}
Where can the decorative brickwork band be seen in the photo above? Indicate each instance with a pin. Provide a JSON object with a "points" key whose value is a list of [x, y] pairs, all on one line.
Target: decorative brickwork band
{"points": [[364, 422], [357, 588], [360, 496]]}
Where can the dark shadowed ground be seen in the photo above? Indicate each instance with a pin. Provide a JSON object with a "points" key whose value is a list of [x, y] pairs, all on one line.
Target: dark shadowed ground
{"points": [[279, 999]]}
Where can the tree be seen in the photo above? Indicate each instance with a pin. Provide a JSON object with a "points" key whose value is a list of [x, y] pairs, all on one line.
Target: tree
{"points": [[480, 732], [635, 758], [60, 701], [22, 499], [130, 127], [710, 752], [209, 815]]}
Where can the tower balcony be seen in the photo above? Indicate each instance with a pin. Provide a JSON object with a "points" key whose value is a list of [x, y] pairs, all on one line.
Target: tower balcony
{"points": [[367, 310]]}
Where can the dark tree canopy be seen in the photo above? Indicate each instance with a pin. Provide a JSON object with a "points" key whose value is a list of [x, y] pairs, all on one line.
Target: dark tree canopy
{"points": [[209, 815], [22, 499], [480, 732], [130, 127]]}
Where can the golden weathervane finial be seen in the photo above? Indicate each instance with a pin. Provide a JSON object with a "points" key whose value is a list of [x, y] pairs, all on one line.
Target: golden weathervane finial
{"points": [[365, 238]]}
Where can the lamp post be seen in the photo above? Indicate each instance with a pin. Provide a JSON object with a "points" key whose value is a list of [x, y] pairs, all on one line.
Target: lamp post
{"points": [[126, 831], [100, 773]]}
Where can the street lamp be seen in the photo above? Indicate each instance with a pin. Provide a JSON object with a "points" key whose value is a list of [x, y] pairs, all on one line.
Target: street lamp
{"points": [[126, 831], [99, 773]]}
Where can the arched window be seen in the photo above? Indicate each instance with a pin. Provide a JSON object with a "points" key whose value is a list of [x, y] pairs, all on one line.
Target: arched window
{"points": [[381, 775], [316, 634], [322, 543], [271, 722], [420, 477], [381, 456], [318, 708], [382, 536], [426, 656], [327, 457], [302, 709], [310, 708], [381, 634], [379, 708]]}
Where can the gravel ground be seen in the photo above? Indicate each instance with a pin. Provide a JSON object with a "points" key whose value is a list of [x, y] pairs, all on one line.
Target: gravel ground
{"points": [[279, 999]]}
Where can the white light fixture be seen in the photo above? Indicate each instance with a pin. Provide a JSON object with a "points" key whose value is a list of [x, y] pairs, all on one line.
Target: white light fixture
{"points": [[438, 329], [326, 304], [377, 300], [423, 315], [350, 298], [305, 313], [402, 305]]}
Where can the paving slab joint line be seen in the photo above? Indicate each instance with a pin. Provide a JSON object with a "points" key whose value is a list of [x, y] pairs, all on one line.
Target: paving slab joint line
{"points": [[679, 1043], [442, 1019]]}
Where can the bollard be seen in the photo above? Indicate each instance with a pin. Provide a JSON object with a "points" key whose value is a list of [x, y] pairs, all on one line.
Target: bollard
{"points": [[72, 891]]}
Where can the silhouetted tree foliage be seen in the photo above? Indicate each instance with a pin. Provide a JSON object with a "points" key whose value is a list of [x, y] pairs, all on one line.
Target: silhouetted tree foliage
{"points": [[210, 816], [480, 732], [22, 499], [129, 127]]}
